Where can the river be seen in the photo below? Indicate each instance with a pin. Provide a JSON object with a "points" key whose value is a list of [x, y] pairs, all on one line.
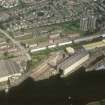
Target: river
{"points": [[77, 89]]}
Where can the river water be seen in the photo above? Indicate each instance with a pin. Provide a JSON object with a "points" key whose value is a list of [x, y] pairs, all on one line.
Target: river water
{"points": [[77, 89]]}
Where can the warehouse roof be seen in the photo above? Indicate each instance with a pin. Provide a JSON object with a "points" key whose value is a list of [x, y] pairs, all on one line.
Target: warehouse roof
{"points": [[8, 67], [72, 59]]}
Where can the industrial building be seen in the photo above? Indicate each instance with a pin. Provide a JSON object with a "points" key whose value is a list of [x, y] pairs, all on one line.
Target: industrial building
{"points": [[96, 61], [9, 71], [72, 63]]}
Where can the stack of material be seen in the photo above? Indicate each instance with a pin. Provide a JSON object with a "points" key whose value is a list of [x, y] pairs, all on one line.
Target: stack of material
{"points": [[70, 50]]}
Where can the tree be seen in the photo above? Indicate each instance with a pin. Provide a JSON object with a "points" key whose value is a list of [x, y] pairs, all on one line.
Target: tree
{"points": [[5, 55]]}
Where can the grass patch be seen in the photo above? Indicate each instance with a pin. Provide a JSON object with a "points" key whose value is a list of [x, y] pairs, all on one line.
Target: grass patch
{"points": [[5, 57], [39, 57], [73, 26], [34, 40]]}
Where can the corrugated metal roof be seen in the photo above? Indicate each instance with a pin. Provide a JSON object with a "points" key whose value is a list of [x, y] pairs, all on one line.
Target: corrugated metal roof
{"points": [[71, 60]]}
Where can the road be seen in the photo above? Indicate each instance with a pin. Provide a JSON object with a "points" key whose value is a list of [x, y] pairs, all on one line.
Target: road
{"points": [[17, 44]]}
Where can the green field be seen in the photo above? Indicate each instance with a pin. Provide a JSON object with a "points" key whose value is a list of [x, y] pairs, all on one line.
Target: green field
{"points": [[70, 27]]}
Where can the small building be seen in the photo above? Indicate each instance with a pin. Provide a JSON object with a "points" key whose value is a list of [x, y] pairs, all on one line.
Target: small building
{"points": [[9, 70], [53, 38], [72, 63], [28, 1], [9, 3], [4, 16]]}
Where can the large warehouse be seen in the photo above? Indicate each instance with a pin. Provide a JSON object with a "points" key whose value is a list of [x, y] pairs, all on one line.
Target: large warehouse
{"points": [[73, 62], [9, 70]]}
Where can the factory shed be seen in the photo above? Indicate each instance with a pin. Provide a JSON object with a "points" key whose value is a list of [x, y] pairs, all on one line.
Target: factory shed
{"points": [[73, 62], [9, 69]]}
